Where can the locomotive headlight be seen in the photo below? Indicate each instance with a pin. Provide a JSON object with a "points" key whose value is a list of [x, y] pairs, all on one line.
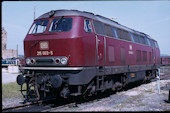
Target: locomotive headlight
{"points": [[64, 61], [32, 61], [57, 60], [28, 61]]}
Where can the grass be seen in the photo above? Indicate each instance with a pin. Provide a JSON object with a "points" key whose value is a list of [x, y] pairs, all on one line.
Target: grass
{"points": [[11, 90]]}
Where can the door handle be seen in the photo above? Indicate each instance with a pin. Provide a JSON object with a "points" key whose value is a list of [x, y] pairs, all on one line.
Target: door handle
{"points": [[100, 56], [98, 40]]}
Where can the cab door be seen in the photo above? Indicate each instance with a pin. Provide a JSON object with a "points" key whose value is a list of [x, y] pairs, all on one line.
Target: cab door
{"points": [[154, 55], [100, 43], [100, 50]]}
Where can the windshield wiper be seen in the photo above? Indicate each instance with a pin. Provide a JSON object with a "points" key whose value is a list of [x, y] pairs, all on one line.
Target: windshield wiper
{"points": [[58, 22]]}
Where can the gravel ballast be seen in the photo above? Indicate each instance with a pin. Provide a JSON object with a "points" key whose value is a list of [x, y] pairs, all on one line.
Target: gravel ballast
{"points": [[141, 98]]}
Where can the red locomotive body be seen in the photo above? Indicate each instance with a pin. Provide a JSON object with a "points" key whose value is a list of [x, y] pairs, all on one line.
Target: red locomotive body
{"points": [[70, 53], [165, 60]]}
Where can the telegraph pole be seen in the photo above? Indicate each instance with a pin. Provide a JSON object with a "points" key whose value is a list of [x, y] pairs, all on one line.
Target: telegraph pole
{"points": [[17, 50], [158, 80], [34, 11]]}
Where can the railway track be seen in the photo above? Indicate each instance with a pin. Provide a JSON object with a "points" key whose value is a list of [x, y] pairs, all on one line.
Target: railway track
{"points": [[26, 105], [41, 106], [48, 106], [165, 77], [20, 106], [60, 107]]}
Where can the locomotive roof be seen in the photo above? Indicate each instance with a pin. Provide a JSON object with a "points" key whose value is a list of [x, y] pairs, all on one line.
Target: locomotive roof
{"points": [[56, 13]]}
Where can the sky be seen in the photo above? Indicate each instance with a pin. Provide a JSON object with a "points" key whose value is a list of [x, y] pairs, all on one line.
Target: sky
{"points": [[150, 17]]}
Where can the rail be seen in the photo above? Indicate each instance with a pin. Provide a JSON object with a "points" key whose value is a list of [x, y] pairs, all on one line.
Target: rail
{"points": [[21, 106], [165, 69]]}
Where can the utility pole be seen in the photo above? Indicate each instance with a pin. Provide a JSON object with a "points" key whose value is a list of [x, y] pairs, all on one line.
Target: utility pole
{"points": [[34, 11], [16, 61], [158, 80], [17, 50]]}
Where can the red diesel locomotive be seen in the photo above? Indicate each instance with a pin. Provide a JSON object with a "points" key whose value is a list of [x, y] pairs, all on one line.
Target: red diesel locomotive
{"points": [[72, 53]]}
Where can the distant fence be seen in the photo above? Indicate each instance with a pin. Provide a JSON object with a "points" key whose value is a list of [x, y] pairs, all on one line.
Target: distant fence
{"points": [[8, 62], [165, 69]]}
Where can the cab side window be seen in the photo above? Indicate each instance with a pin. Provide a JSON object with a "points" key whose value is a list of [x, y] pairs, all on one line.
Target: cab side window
{"points": [[99, 28], [87, 25]]}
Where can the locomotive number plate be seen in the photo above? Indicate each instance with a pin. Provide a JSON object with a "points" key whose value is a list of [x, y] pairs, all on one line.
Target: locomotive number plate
{"points": [[40, 53]]}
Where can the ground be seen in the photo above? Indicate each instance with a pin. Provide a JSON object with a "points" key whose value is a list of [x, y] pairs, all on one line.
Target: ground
{"points": [[8, 77], [141, 98]]}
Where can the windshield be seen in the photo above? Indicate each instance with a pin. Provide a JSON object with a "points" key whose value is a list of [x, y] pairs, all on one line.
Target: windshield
{"points": [[61, 24], [39, 26]]}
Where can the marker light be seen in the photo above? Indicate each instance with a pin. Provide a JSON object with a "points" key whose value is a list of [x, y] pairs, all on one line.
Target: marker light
{"points": [[28, 61], [57, 60], [64, 61], [32, 61]]}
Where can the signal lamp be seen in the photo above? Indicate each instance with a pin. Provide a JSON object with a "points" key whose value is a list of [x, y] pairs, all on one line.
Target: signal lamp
{"points": [[64, 61], [32, 61], [57, 60], [28, 61]]}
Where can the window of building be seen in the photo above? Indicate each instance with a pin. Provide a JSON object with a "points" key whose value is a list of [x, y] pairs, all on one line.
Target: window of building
{"points": [[87, 26]]}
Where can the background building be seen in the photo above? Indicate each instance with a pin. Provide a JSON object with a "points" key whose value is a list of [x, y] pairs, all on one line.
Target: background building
{"points": [[4, 38], [7, 53]]}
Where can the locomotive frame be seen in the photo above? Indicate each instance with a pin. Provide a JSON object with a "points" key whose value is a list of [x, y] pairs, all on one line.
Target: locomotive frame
{"points": [[91, 54]]}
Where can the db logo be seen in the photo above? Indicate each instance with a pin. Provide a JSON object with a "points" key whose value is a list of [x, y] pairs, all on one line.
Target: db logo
{"points": [[44, 45]]}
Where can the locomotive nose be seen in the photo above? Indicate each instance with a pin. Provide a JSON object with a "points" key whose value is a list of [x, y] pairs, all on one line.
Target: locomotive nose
{"points": [[20, 80]]}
